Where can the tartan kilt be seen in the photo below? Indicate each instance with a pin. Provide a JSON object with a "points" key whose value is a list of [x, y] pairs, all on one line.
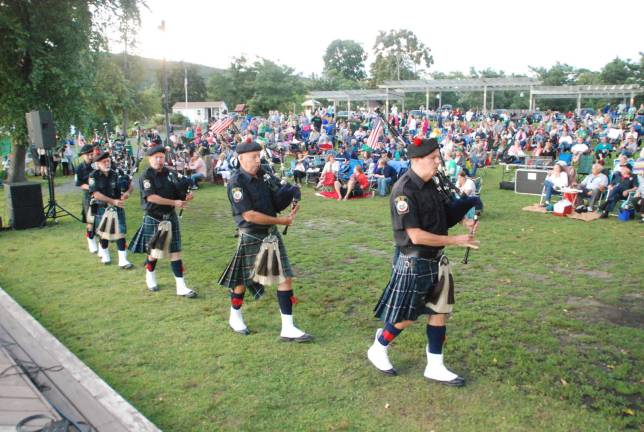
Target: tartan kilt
{"points": [[144, 234], [100, 211], [85, 207], [240, 269], [412, 281]]}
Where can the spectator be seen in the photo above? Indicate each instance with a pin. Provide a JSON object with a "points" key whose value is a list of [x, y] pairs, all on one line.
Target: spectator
{"points": [[627, 184], [555, 181], [299, 170], [198, 168], [384, 175], [356, 186], [593, 185], [465, 185], [222, 168]]}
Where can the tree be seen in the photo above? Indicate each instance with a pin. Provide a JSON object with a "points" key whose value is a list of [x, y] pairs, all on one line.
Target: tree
{"points": [[399, 55], [48, 61], [275, 87], [235, 84], [619, 71], [557, 75], [345, 59]]}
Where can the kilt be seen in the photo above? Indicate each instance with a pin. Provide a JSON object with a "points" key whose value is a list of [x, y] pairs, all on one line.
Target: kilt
{"points": [[412, 281], [144, 234], [240, 269], [85, 207], [100, 211]]}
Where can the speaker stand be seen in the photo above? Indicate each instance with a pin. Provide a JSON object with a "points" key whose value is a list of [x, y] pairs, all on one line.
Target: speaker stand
{"points": [[53, 210]]}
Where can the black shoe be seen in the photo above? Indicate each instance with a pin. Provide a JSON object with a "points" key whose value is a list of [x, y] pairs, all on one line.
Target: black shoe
{"points": [[190, 295], [304, 338], [127, 266], [153, 289], [244, 332], [456, 382], [604, 215]]}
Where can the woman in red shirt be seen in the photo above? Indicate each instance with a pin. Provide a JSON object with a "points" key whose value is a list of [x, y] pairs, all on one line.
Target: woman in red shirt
{"points": [[356, 186]]}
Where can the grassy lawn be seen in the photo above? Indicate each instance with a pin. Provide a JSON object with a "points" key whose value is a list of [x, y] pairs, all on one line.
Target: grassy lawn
{"points": [[547, 329]]}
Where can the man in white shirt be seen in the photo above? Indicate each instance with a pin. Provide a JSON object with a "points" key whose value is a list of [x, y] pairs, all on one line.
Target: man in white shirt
{"points": [[593, 185]]}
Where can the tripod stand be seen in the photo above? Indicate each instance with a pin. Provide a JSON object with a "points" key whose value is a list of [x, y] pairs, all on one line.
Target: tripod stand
{"points": [[52, 209]]}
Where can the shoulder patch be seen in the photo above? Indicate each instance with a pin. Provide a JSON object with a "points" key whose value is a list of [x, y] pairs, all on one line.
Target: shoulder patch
{"points": [[146, 184], [91, 181], [402, 204], [237, 194]]}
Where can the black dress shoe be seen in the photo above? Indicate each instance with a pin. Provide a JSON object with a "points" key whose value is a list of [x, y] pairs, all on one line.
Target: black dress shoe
{"points": [[127, 266], [191, 294], [604, 215], [244, 332], [304, 338], [153, 289], [456, 382], [390, 372]]}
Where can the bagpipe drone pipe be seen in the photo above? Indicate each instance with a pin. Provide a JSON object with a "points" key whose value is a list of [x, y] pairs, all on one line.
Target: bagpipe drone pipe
{"points": [[283, 193]]}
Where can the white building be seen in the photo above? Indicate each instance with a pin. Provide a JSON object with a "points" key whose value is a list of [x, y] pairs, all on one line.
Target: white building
{"points": [[200, 112]]}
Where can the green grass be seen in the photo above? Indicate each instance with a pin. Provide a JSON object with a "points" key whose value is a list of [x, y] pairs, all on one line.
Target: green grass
{"points": [[547, 329]]}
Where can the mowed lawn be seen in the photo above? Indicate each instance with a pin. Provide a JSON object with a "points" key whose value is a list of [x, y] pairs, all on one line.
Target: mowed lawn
{"points": [[547, 328]]}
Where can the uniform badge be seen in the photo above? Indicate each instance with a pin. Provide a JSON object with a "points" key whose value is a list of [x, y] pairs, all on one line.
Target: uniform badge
{"points": [[91, 181], [146, 184], [237, 194], [402, 206]]}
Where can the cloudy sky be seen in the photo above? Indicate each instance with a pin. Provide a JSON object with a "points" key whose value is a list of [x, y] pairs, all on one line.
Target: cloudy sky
{"points": [[498, 34]]}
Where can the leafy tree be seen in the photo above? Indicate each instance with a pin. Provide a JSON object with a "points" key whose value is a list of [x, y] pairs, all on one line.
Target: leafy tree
{"points": [[235, 84], [48, 61], [557, 75], [399, 55], [619, 71], [344, 59], [275, 87]]}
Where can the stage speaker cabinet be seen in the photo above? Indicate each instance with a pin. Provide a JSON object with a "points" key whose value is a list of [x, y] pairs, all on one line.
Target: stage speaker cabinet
{"points": [[24, 205], [529, 181], [41, 129]]}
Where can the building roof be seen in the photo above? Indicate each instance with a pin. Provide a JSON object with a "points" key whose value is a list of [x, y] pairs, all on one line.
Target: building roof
{"points": [[197, 105]]}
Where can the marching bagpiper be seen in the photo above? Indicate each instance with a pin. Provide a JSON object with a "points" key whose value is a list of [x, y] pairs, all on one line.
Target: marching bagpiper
{"points": [[261, 257], [83, 171], [160, 235], [110, 189], [421, 282]]}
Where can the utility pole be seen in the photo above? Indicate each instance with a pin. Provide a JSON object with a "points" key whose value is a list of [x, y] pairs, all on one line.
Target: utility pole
{"points": [[165, 90], [126, 75]]}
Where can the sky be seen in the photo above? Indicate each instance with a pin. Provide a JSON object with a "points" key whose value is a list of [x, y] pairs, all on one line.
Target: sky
{"points": [[503, 35]]}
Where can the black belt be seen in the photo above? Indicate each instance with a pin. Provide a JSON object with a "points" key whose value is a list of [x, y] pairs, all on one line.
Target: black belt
{"points": [[416, 252], [255, 230]]}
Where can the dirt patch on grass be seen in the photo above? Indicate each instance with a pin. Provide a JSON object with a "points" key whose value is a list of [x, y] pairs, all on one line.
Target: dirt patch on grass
{"points": [[594, 310], [581, 271], [371, 251]]}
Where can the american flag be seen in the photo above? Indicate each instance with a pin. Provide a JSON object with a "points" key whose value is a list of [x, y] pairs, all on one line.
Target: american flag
{"points": [[375, 132], [221, 125]]}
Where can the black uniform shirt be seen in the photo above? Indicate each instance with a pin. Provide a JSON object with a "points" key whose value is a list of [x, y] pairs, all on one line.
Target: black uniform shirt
{"points": [[83, 171], [163, 183], [107, 184], [246, 193], [417, 204]]}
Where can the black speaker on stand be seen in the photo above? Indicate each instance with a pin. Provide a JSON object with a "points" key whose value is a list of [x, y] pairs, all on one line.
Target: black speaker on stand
{"points": [[42, 133]]}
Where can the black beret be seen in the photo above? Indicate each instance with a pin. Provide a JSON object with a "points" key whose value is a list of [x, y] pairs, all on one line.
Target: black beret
{"points": [[155, 149], [247, 147], [421, 147], [87, 148], [102, 155]]}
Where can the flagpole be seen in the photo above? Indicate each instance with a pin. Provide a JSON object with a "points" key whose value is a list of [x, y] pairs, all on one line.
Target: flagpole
{"points": [[185, 84]]}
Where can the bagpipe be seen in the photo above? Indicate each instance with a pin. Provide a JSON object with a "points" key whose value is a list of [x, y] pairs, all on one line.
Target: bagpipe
{"points": [[283, 193]]}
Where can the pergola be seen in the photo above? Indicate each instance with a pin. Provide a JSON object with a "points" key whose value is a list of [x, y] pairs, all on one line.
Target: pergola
{"points": [[586, 91], [460, 85], [356, 96]]}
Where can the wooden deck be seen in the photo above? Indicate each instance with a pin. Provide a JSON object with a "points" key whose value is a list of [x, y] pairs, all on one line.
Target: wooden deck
{"points": [[19, 398]]}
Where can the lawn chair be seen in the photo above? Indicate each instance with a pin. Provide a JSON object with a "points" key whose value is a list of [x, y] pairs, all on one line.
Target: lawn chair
{"points": [[585, 166]]}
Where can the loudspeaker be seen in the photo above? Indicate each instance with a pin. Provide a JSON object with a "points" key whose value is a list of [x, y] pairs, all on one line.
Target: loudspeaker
{"points": [[24, 205], [529, 181], [41, 129]]}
